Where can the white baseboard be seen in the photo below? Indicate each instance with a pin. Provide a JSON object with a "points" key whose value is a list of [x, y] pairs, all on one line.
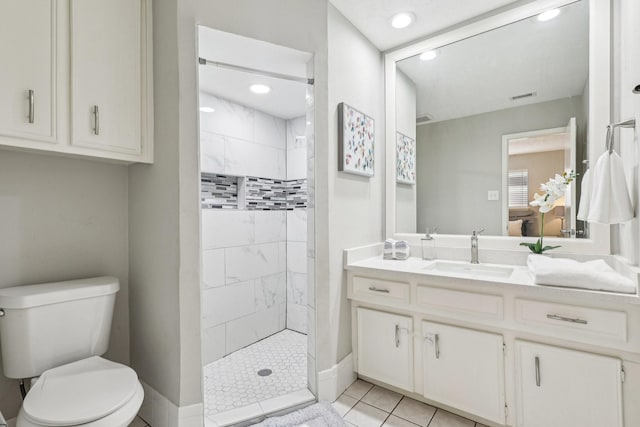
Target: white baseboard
{"points": [[333, 381], [158, 411]]}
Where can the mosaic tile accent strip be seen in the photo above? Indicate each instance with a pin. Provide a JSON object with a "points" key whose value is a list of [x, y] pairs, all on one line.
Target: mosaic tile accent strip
{"points": [[297, 194], [234, 382], [266, 194], [218, 191]]}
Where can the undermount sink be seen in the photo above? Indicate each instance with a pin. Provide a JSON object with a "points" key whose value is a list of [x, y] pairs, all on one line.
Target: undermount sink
{"points": [[470, 269]]}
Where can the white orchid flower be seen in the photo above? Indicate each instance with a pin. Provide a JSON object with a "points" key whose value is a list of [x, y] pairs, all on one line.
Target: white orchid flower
{"points": [[545, 202]]}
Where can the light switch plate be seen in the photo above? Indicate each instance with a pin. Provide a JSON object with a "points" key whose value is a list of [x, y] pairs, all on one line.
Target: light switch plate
{"points": [[493, 195]]}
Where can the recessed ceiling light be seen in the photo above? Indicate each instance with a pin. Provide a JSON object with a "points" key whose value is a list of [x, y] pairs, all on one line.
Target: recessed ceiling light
{"points": [[260, 89], [402, 20], [548, 15], [207, 110], [429, 55]]}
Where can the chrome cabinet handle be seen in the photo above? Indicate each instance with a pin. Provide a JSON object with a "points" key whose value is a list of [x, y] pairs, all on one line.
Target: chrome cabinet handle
{"points": [[566, 319], [96, 120], [397, 336], [32, 102], [537, 371], [374, 289], [437, 346]]}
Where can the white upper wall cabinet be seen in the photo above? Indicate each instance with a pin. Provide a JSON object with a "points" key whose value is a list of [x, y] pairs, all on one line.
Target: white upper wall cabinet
{"points": [[27, 75], [80, 70], [105, 74]]}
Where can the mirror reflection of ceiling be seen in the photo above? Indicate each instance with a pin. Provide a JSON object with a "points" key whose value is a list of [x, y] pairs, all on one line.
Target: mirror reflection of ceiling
{"points": [[483, 73], [373, 17]]}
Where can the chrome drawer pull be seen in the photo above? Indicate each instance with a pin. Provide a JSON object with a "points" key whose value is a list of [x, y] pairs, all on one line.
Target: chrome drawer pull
{"points": [[437, 346], [537, 371], [566, 319], [32, 109], [96, 120], [397, 336], [374, 289]]}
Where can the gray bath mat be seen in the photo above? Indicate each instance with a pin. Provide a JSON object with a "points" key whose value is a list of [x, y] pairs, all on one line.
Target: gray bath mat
{"points": [[318, 415]]}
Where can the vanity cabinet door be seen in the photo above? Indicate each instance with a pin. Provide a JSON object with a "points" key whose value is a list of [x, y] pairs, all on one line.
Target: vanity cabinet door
{"points": [[27, 73], [558, 387], [107, 53], [385, 347], [464, 368]]}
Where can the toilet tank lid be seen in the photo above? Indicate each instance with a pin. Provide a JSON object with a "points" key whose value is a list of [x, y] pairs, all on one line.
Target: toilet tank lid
{"points": [[27, 296]]}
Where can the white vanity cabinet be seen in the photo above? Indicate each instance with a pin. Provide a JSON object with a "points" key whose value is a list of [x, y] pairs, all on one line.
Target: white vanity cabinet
{"points": [[501, 353], [385, 342], [77, 78], [28, 35], [558, 387], [464, 368]]}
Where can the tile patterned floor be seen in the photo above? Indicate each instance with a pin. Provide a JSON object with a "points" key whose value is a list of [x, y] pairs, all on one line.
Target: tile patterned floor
{"points": [[366, 405], [232, 382], [138, 422]]}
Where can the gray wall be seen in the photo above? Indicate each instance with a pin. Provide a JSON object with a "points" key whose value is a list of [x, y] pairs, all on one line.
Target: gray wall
{"points": [[625, 75], [63, 218], [355, 203], [460, 160]]}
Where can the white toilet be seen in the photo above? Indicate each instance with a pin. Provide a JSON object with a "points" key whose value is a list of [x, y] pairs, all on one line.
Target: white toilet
{"points": [[55, 334]]}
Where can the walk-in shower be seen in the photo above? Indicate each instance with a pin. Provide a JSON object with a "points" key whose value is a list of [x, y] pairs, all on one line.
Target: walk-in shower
{"points": [[256, 146]]}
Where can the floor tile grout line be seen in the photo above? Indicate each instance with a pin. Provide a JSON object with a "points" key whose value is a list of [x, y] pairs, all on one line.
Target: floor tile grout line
{"points": [[433, 416]]}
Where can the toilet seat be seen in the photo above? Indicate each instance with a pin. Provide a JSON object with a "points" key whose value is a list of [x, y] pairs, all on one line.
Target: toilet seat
{"points": [[88, 392]]}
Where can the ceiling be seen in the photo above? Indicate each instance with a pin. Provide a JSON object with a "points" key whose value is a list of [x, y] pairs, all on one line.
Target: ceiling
{"points": [[373, 17], [482, 73], [286, 100]]}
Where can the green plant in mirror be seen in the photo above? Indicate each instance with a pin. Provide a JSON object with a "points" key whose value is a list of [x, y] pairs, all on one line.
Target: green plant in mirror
{"points": [[552, 190]]}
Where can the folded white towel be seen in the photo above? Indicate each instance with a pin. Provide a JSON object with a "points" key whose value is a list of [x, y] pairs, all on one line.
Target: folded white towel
{"points": [[609, 201], [396, 249], [585, 196], [595, 275]]}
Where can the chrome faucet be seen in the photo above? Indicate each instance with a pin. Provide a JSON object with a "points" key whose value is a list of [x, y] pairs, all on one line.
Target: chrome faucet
{"points": [[474, 246]]}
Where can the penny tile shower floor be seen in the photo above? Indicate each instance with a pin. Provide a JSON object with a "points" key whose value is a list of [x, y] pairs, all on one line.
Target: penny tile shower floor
{"points": [[233, 381]]}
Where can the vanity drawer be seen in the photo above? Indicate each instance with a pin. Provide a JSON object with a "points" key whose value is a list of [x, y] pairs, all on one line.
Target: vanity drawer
{"points": [[573, 321], [367, 288], [462, 302]]}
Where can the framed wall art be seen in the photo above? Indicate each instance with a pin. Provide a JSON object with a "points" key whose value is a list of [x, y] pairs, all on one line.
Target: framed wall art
{"points": [[356, 141], [405, 159]]}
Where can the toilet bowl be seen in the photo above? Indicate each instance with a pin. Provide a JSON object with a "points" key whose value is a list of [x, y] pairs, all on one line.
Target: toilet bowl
{"points": [[92, 392], [55, 333]]}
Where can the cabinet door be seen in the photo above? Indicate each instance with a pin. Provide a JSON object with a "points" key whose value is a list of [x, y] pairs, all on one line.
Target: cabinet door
{"points": [[385, 347], [558, 387], [106, 74], [464, 368], [27, 73]]}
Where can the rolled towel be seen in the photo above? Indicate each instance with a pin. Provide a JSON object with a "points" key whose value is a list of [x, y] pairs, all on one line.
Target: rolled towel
{"points": [[595, 275], [396, 249], [402, 250]]}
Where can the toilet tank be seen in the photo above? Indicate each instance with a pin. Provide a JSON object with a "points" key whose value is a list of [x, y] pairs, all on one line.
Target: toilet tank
{"points": [[51, 324]]}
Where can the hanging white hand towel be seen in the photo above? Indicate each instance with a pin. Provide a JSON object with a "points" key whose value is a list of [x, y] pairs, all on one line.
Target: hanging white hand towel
{"points": [[609, 201], [585, 196]]}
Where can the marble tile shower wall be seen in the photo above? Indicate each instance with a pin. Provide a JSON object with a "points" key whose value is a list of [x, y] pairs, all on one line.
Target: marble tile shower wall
{"points": [[249, 265], [297, 228]]}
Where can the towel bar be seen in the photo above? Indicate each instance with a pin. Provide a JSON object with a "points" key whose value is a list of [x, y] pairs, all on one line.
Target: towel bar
{"points": [[631, 123]]}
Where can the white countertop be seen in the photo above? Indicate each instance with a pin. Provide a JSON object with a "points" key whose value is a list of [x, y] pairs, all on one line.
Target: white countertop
{"points": [[520, 276]]}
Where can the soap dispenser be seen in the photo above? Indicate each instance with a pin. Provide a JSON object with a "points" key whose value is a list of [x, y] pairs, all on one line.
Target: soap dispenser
{"points": [[429, 244]]}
